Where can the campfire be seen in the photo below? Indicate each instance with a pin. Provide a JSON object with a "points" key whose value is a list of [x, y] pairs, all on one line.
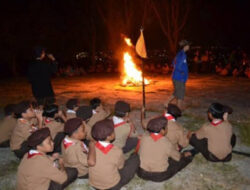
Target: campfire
{"points": [[131, 75]]}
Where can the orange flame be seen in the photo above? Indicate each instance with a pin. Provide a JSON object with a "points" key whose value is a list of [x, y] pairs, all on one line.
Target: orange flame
{"points": [[132, 76], [128, 42]]}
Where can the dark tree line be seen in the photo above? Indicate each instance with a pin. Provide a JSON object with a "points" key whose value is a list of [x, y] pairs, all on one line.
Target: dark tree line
{"points": [[67, 27]]}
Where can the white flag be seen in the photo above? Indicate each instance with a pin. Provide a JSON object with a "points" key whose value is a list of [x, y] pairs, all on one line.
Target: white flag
{"points": [[140, 46]]}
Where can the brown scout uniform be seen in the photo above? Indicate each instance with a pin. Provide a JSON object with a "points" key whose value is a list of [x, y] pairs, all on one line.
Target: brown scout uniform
{"points": [[54, 126], [7, 125], [109, 160], [75, 155], [176, 133], [36, 171], [97, 116], [70, 114], [219, 138], [154, 153], [21, 132], [123, 130]]}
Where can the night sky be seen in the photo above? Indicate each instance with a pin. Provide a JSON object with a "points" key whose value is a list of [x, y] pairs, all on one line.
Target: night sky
{"points": [[66, 27]]}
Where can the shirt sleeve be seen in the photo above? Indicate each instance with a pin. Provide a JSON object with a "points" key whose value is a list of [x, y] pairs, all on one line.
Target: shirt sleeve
{"points": [[201, 133], [183, 140], [172, 152], [121, 160], [53, 173]]}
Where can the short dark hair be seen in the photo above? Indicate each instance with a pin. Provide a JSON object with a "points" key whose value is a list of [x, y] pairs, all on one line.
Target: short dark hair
{"points": [[174, 110], [155, 125], [102, 129], [21, 108], [72, 103], [95, 102], [121, 108], [9, 109], [34, 104], [217, 110], [50, 110], [84, 112]]}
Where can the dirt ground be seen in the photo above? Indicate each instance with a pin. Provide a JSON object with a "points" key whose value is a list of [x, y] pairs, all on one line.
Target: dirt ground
{"points": [[200, 92]]}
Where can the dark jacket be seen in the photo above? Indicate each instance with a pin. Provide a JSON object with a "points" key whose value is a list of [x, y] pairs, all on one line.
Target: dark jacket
{"points": [[39, 74]]}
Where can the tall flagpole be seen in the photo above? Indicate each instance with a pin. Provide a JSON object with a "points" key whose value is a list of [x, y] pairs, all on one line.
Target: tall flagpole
{"points": [[143, 85], [142, 52], [143, 89]]}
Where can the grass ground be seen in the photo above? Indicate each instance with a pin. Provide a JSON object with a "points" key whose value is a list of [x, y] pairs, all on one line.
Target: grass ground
{"points": [[201, 91]]}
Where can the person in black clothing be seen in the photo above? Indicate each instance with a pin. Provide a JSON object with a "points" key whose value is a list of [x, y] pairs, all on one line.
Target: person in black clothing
{"points": [[39, 74]]}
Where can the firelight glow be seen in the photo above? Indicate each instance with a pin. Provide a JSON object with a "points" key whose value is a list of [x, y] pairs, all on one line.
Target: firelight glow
{"points": [[128, 42], [132, 76]]}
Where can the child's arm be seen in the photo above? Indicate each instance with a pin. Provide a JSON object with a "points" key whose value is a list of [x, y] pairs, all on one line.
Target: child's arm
{"points": [[106, 111], [183, 140], [39, 116], [189, 134], [121, 161], [172, 152], [201, 133], [91, 154], [61, 115]]}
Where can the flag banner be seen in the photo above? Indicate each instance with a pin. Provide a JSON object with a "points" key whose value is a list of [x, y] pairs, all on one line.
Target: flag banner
{"points": [[140, 46]]}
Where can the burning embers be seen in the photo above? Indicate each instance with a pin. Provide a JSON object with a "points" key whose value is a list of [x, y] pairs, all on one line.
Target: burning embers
{"points": [[131, 75]]}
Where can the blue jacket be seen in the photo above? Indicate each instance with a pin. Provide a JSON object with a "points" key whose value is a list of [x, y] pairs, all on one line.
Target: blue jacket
{"points": [[180, 71]]}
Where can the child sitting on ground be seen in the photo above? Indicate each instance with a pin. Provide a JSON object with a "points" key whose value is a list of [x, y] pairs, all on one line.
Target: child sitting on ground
{"points": [[176, 133], [159, 159], [75, 153], [7, 125], [99, 113], [39, 171], [126, 136], [24, 127], [110, 171], [215, 139], [51, 114], [72, 105]]}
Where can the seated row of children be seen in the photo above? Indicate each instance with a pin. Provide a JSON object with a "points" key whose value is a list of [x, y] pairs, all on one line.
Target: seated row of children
{"points": [[92, 146]]}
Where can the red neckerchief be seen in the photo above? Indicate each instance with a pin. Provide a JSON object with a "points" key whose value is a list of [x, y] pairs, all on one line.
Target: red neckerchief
{"points": [[46, 121], [67, 143], [104, 149], [120, 124], [156, 137], [169, 117], [215, 124], [30, 155]]}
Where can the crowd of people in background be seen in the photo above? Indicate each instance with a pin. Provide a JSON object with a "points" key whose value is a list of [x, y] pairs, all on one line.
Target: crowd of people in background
{"points": [[221, 61], [224, 62]]}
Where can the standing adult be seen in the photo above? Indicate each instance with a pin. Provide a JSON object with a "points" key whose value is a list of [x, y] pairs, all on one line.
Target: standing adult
{"points": [[39, 73], [180, 74]]}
